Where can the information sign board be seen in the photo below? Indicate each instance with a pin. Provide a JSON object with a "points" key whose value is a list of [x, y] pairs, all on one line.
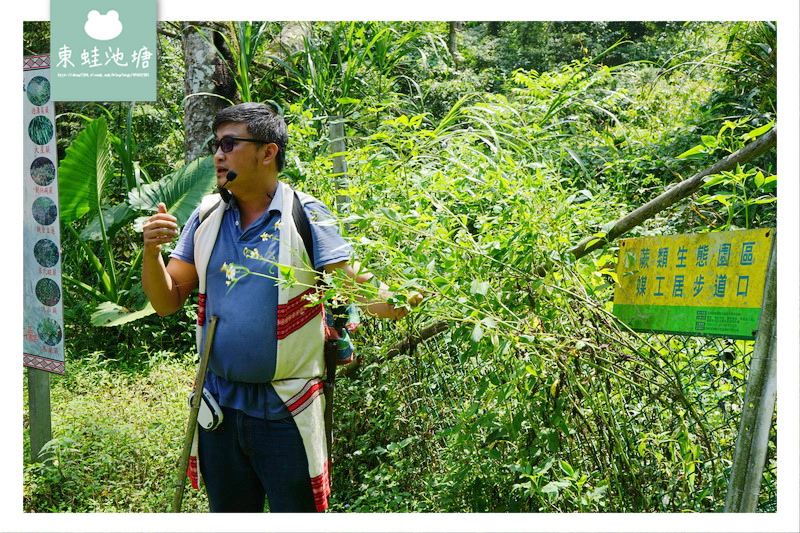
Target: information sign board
{"points": [[43, 329], [707, 284]]}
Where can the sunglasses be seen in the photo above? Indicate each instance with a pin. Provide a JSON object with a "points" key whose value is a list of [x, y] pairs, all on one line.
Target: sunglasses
{"points": [[227, 143]]}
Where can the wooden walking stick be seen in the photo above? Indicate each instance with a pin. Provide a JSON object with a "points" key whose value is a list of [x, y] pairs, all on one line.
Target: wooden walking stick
{"points": [[194, 408]]}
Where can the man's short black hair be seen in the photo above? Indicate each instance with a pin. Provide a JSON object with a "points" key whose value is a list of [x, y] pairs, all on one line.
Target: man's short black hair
{"points": [[263, 122]]}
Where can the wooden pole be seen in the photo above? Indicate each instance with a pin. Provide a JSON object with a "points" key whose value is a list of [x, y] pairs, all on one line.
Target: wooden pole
{"points": [[39, 412], [194, 409], [752, 441]]}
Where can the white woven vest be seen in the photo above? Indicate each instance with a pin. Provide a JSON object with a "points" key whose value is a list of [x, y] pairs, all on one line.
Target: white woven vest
{"points": [[300, 365]]}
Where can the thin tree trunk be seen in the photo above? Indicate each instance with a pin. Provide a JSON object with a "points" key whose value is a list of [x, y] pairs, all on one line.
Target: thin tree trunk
{"points": [[452, 43]]}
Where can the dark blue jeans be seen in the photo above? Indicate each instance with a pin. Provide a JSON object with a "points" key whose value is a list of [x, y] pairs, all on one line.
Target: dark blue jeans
{"points": [[246, 458]]}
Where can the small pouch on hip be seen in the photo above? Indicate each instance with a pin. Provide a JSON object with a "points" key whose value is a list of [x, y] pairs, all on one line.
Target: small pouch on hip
{"points": [[209, 417]]}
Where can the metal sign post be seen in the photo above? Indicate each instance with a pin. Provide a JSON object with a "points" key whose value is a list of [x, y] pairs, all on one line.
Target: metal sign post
{"points": [[720, 284], [750, 453]]}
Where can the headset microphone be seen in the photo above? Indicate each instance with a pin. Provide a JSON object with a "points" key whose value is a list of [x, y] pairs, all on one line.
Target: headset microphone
{"points": [[223, 192]]}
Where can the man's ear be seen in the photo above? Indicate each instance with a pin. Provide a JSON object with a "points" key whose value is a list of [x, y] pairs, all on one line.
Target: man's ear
{"points": [[270, 153]]}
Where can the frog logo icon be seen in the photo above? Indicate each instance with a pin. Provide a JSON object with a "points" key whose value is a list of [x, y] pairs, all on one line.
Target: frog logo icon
{"points": [[102, 27]]}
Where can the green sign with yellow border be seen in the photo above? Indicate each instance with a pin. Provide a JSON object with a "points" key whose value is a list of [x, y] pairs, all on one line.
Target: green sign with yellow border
{"points": [[706, 284]]}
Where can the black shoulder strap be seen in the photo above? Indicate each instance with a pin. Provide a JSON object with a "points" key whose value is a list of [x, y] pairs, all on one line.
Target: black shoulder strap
{"points": [[303, 227], [204, 216]]}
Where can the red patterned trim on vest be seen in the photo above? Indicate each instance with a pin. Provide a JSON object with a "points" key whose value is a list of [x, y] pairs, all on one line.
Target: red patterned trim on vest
{"points": [[321, 486], [296, 313], [201, 309], [310, 391], [191, 472]]}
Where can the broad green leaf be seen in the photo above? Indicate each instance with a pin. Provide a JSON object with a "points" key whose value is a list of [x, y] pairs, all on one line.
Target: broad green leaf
{"points": [[694, 152], [708, 181], [84, 171], [286, 271], [709, 141], [770, 182], [765, 200], [477, 333], [181, 191], [550, 488], [597, 493], [440, 282], [630, 259], [113, 218], [110, 314], [759, 131], [567, 468], [489, 322]]}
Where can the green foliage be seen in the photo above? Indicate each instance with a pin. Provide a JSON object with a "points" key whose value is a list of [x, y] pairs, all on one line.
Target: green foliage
{"points": [[748, 196], [343, 63], [117, 436], [243, 39], [469, 184], [84, 174]]}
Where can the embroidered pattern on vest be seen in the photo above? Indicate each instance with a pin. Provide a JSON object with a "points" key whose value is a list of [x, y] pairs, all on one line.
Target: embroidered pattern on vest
{"points": [[321, 487], [297, 403], [201, 309], [296, 313]]}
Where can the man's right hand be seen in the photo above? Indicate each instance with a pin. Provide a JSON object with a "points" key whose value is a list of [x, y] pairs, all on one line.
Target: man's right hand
{"points": [[159, 229]]}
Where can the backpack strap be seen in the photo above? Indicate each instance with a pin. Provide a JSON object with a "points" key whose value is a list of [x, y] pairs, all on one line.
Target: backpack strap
{"points": [[204, 214], [303, 227]]}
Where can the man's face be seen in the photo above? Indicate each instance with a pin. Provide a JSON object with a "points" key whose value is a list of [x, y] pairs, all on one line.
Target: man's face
{"points": [[246, 158]]}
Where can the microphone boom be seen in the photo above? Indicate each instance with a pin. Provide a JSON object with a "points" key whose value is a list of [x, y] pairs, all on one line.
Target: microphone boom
{"points": [[223, 192]]}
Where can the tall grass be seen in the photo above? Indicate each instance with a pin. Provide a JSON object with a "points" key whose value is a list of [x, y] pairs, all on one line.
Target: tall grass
{"points": [[117, 433]]}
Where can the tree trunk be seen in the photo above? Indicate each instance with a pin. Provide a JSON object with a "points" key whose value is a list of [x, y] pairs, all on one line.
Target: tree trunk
{"points": [[452, 45], [206, 74]]}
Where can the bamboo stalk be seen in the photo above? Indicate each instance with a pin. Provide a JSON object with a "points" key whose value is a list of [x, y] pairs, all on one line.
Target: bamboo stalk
{"points": [[194, 409], [758, 406]]}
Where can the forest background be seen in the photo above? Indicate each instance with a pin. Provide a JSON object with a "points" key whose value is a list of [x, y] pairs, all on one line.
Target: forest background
{"points": [[478, 154]]}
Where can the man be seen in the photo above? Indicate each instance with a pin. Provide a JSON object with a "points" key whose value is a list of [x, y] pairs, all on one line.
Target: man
{"points": [[266, 364]]}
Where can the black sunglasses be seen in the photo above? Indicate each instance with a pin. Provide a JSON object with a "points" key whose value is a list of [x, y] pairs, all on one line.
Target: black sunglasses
{"points": [[227, 142]]}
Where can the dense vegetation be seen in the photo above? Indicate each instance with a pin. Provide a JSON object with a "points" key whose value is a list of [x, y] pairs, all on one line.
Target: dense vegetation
{"points": [[471, 171]]}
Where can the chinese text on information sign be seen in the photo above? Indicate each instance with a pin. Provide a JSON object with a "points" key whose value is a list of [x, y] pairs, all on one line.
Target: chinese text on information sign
{"points": [[703, 284]]}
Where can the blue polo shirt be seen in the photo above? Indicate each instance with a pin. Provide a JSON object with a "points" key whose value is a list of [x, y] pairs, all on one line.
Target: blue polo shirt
{"points": [[243, 356]]}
